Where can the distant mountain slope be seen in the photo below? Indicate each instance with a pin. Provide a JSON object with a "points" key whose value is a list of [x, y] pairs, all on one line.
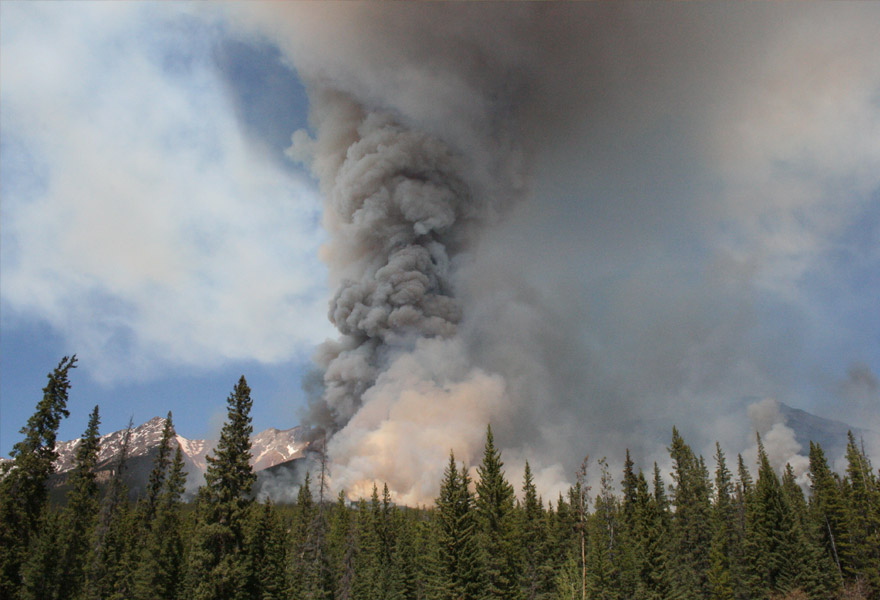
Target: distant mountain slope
{"points": [[269, 448], [828, 433]]}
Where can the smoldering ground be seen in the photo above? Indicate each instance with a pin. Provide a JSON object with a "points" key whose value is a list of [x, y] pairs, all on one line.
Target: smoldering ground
{"points": [[582, 223]]}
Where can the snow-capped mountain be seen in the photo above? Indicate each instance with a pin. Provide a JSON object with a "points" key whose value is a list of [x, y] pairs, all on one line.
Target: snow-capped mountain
{"points": [[275, 446], [143, 439], [268, 448]]}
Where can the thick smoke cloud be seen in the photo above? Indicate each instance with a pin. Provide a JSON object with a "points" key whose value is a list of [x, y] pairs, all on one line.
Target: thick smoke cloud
{"points": [[395, 205], [582, 223], [778, 440], [408, 185]]}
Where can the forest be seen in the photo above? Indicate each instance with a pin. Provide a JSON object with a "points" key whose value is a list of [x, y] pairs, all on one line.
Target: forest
{"points": [[719, 533]]}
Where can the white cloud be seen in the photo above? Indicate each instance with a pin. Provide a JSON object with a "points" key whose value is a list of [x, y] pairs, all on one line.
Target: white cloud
{"points": [[137, 218]]}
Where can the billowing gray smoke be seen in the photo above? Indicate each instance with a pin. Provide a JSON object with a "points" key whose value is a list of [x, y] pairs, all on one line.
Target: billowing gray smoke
{"points": [[665, 174], [410, 175], [397, 208]]}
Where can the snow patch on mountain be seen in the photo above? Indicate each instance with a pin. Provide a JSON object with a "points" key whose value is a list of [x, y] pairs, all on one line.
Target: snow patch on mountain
{"points": [[268, 448]]}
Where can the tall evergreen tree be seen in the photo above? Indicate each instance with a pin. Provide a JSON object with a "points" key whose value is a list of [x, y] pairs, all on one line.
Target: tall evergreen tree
{"points": [[632, 522], [159, 572], [341, 548], [404, 568], [723, 537], [23, 491], [79, 516], [159, 472], [367, 583], [303, 513], [562, 543], [494, 507], [602, 557], [218, 565], [828, 512], [267, 552], [862, 495], [309, 575], [424, 540], [656, 572], [40, 575], [774, 557], [536, 575], [817, 576], [386, 537], [743, 505], [691, 532], [112, 557], [458, 573], [579, 498]]}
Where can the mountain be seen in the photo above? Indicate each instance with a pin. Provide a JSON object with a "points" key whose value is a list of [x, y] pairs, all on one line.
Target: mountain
{"points": [[270, 449], [828, 433]]}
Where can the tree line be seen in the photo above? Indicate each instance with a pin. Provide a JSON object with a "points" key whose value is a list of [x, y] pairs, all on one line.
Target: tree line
{"points": [[721, 537]]}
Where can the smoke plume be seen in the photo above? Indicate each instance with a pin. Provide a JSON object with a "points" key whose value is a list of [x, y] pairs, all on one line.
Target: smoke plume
{"points": [[554, 218], [778, 440], [411, 175]]}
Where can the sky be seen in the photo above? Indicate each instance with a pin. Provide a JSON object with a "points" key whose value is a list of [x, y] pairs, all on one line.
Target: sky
{"points": [[628, 217]]}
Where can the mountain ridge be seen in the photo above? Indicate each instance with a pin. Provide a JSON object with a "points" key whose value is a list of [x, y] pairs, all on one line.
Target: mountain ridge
{"points": [[268, 448]]}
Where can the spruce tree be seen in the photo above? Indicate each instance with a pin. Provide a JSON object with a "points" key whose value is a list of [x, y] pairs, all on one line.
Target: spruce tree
{"points": [[602, 558], [23, 491], [80, 515], [817, 576], [723, 537], [386, 537], [691, 534], [309, 575], [774, 558], [341, 548], [494, 508], [743, 547], [267, 552], [828, 513], [424, 540], [579, 498], [458, 573], [563, 543], [218, 566], [115, 540], [656, 571], [631, 530], [862, 495], [643, 542], [160, 568], [304, 511], [40, 574], [404, 581], [367, 583], [536, 575], [159, 472]]}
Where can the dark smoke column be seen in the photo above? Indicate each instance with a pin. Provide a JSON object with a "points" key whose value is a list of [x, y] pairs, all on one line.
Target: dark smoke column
{"points": [[416, 148], [396, 209]]}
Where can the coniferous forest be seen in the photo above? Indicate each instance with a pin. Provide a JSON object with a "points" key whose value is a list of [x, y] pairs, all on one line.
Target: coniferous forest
{"points": [[723, 530]]}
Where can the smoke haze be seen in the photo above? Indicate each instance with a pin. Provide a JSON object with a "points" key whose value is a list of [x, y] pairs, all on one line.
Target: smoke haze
{"points": [[581, 223]]}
